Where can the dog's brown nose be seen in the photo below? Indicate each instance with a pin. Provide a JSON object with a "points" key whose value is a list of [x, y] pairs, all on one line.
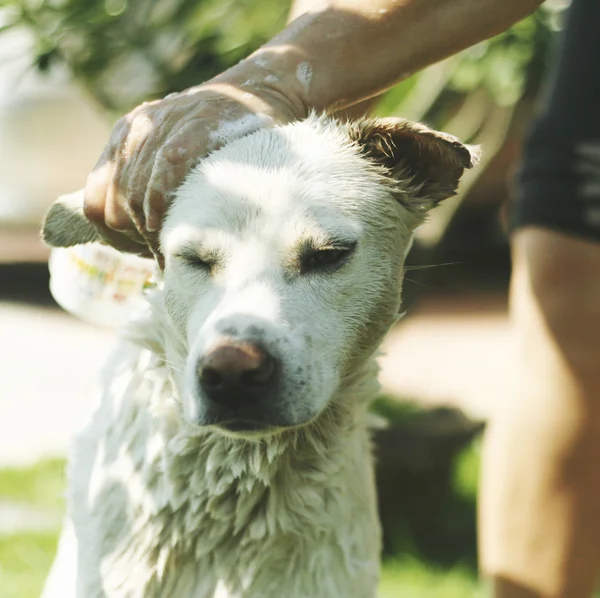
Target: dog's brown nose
{"points": [[236, 373]]}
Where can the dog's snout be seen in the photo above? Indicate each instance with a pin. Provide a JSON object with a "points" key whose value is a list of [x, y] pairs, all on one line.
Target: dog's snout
{"points": [[237, 373]]}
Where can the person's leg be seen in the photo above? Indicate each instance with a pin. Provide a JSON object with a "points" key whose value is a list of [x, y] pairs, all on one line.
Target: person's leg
{"points": [[540, 493], [540, 490]]}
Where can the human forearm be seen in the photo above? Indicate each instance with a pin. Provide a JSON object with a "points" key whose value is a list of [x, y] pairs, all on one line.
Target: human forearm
{"points": [[333, 56], [344, 51]]}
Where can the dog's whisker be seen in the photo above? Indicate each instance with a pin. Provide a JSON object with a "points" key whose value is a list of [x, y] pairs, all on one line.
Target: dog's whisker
{"points": [[427, 266], [418, 282]]}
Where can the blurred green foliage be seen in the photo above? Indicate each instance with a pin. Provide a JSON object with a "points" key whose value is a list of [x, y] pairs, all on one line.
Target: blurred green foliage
{"points": [[128, 51], [506, 63], [505, 68]]}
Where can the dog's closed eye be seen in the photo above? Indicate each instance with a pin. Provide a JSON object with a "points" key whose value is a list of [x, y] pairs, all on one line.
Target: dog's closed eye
{"points": [[325, 259], [201, 260]]}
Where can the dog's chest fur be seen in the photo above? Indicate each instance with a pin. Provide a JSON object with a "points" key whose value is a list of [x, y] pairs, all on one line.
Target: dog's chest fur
{"points": [[163, 509]]}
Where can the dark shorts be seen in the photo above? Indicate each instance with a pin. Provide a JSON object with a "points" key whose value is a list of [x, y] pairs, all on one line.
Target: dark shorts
{"points": [[558, 185]]}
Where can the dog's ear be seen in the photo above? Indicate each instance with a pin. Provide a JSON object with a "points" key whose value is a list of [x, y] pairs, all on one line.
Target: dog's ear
{"points": [[65, 224], [426, 165]]}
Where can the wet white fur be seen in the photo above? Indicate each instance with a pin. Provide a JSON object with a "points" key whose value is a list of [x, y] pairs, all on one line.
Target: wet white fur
{"points": [[160, 507]]}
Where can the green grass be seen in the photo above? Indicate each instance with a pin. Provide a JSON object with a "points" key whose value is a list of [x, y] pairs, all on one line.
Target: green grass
{"points": [[42, 484], [25, 558], [413, 575], [408, 577], [466, 471]]}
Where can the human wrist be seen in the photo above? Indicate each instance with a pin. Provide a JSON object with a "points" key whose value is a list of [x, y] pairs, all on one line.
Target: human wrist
{"points": [[278, 79]]}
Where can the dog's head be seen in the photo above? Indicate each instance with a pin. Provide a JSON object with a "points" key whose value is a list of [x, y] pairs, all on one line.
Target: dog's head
{"points": [[284, 255]]}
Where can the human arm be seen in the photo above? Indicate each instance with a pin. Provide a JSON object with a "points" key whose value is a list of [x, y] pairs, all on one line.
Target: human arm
{"points": [[334, 55]]}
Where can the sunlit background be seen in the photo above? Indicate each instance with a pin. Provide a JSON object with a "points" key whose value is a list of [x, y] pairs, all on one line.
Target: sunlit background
{"points": [[68, 68]]}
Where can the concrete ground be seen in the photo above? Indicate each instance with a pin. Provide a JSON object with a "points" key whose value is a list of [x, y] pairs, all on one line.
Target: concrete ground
{"points": [[451, 350]]}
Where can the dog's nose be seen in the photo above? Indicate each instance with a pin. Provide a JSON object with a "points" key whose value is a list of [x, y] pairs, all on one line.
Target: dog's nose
{"points": [[237, 373]]}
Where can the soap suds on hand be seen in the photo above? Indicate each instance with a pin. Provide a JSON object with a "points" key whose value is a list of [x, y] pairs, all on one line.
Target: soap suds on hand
{"points": [[238, 128], [260, 61], [304, 74]]}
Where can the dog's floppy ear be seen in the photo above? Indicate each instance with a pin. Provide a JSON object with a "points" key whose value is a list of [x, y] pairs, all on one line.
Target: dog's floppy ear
{"points": [[425, 164], [65, 224]]}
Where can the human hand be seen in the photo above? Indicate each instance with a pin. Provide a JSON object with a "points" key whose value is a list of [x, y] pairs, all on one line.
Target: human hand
{"points": [[152, 148]]}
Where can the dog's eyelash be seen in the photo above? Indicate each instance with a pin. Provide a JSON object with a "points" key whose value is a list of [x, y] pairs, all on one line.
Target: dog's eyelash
{"points": [[196, 261], [200, 263], [329, 258]]}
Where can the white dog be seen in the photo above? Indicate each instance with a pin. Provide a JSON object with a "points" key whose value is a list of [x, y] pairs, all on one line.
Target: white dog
{"points": [[230, 454]]}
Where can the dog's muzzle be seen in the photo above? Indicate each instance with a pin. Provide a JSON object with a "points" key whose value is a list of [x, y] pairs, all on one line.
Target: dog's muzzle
{"points": [[238, 380]]}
